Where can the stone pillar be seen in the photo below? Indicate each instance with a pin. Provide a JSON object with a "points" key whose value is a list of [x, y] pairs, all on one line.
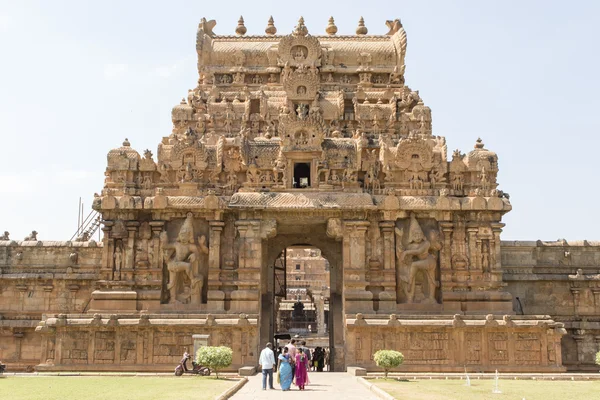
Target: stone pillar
{"points": [[216, 297], [387, 298], [596, 294], [575, 291], [129, 256], [597, 340], [496, 255], [446, 257], [472, 249], [245, 298], [579, 338], [156, 265], [357, 298], [320, 304], [107, 253]]}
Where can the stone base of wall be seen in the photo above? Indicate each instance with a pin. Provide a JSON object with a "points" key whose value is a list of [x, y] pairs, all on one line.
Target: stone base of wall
{"points": [[443, 344], [137, 342]]}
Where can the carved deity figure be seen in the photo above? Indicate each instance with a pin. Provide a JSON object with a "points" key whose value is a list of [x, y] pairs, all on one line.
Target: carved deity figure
{"points": [[419, 256], [118, 257], [5, 236], [483, 176], [183, 256], [299, 55]]}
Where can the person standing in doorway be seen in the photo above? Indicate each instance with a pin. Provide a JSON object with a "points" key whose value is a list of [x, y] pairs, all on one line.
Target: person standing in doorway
{"points": [[267, 361]]}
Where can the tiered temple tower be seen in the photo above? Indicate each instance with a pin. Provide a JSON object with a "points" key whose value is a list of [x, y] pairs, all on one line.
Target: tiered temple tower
{"points": [[302, 139]]}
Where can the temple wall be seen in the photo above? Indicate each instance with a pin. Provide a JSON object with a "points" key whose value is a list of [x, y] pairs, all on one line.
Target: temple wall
{"points": [[146, 342], [477, 343], [37, 278], [543, 277]]}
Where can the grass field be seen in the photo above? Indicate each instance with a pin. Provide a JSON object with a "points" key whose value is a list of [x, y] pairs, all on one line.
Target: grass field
{"points": [[111, 387], [482, 389]]}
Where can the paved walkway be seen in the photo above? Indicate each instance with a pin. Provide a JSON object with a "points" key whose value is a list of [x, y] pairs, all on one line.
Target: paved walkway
{"points": [[323, 385]]}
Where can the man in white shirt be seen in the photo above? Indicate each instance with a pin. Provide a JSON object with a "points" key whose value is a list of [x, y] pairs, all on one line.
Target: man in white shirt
{"points": [[267, 362]]}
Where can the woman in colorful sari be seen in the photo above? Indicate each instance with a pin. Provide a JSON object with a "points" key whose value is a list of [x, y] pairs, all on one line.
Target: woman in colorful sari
{"points": [[301, 369], [285, 370]]}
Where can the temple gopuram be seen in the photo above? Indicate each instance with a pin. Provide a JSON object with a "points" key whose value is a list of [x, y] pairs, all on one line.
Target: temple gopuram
{"points": [[299, 140]]}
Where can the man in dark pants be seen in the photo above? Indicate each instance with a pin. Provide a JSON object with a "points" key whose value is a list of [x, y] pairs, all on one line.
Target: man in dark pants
{"points": [[267, 362]]}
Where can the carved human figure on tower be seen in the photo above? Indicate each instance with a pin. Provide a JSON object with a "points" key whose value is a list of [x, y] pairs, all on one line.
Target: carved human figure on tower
{"points": [[183, 256], [419, 257]]}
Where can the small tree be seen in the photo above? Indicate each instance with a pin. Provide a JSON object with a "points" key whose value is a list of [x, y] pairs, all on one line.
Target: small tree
{"points": [[214, 358], [598, 358], [388, 359]]}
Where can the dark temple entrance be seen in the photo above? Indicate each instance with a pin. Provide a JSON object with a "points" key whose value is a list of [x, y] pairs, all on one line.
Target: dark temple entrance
{"points": [[301, 175], [281, 297]]}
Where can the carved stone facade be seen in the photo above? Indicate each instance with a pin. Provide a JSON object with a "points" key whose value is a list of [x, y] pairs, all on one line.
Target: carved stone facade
{"points": [[296, 140]]}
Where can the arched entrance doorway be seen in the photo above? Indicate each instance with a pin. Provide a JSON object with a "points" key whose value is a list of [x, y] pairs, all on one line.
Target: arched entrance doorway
{"points": [[299, 237]]}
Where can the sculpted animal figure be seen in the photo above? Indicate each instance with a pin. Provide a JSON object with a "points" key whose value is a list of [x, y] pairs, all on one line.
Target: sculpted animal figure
{"points": [[32, 236]]}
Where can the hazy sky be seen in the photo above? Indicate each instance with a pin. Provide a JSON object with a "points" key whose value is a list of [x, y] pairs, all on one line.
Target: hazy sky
{"points": [[77, 77]]}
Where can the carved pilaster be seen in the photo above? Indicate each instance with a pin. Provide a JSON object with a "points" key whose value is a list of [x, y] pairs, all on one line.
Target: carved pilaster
{"points": [[214, 255], [354, 256], [107, 254], [472, 249], [579, 337], [215, 297], [132, 227], [157, 227], [245, 298], [575, 292], [495, 251], [446, 253], [387, 231]]}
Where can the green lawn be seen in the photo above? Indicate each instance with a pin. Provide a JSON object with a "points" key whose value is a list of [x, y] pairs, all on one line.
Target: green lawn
{"points": [[111, 387], [482, 389]]}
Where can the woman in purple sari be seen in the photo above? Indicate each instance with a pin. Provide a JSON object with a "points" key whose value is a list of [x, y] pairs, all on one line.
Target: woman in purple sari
{"points": [[301, 369]]}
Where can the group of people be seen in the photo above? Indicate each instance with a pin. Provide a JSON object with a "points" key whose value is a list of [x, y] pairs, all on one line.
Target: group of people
{"points": [[294, 361]]}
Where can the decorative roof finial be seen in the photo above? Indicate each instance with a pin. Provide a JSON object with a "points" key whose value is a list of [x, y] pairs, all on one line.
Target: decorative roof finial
{"points": [[126, 143], [362, 29], [301, 29], [271, 30], [331, 28], [240, 29], [479, 144]]}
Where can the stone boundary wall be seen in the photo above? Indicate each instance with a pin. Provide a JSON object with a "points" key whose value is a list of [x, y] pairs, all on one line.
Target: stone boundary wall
{"points": [[483, 344], [561, 279], [38, 277]]}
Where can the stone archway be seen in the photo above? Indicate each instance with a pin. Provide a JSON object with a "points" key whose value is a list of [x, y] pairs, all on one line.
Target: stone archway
{"points": [[310, 235]]}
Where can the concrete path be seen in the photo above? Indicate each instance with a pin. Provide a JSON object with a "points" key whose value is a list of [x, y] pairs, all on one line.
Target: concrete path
{"points": [[323, 385]]}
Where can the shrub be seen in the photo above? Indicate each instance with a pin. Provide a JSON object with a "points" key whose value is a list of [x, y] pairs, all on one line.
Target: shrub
{"points": [[214, 358], [598, 358], [388, 359]]}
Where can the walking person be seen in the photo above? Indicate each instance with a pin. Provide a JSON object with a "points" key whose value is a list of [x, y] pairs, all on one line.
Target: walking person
{"points": [[267, 362], [301, 369], [284, 370], [292, 351], [307, 353]]}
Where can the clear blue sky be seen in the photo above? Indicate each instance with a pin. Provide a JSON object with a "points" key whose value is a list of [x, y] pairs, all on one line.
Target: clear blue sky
{"points": [[77, 77]]}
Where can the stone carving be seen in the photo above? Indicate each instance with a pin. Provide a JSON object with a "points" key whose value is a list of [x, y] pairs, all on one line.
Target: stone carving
{"points": [[268, 111], [5, 236], [419, 255], [31, 237], [182, 257]]}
